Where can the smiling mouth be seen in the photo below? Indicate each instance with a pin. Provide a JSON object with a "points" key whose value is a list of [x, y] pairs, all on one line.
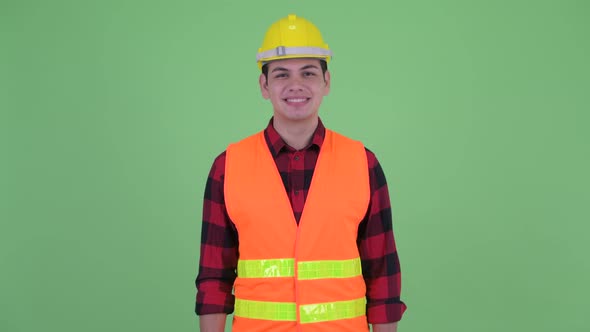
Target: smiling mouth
{"points": [[296, 100]]}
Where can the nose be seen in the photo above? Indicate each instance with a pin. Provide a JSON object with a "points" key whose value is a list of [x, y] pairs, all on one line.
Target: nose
{"points": [[296, 84]]}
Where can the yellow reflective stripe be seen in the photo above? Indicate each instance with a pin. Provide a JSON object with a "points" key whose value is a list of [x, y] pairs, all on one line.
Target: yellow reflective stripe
{"points": [[309, 313], [329, 269], [270, 268], [323, 312], [283, 311], [266, 268]]}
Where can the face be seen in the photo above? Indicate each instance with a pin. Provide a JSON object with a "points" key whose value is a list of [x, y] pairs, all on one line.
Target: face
{"points": [[295, 88]]}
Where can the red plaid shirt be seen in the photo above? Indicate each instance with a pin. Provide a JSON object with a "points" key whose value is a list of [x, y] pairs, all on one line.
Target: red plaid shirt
{"points": [[219, 238]]}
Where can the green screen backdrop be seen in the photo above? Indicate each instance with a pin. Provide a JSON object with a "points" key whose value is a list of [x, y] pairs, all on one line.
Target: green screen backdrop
{"points": [[113, 111]]}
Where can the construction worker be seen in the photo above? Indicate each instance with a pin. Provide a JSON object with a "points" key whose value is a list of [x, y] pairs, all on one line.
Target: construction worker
{"points": [[297, 228]]}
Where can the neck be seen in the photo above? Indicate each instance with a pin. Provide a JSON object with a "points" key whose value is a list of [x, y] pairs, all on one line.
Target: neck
{"points": [[297, 134]]}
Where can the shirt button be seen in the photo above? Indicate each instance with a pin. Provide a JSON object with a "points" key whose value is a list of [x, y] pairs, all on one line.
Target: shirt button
{"points": [[296, 157], [296, 192]]}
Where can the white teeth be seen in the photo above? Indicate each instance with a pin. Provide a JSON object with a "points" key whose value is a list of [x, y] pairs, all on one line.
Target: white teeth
{"points": [[296, 100]]}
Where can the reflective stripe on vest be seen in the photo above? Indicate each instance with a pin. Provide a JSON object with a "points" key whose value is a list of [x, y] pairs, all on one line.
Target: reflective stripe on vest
{"points": [[269, 268], [309, 313]]}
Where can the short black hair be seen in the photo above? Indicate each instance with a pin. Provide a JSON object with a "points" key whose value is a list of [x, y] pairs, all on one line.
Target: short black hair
{"points": [[323, 65]]}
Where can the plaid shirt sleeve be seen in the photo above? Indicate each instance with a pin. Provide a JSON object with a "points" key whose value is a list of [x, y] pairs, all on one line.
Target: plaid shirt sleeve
{"points": [[380, 262], [219, 248]]}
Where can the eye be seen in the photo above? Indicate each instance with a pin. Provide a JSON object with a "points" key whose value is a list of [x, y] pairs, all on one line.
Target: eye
{"points": [[281, 75], [308, 74]]}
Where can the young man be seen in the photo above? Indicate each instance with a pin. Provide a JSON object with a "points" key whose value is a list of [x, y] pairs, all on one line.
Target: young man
{"points": [[296, 218]]}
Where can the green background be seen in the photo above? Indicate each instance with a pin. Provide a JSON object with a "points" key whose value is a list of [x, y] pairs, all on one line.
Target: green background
{"points": [[113, 111]]}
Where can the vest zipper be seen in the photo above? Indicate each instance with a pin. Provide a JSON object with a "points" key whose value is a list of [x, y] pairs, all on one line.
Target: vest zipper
{"points": [[296, 282]]}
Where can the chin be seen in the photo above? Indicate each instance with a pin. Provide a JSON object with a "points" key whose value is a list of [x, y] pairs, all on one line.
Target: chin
{"points": [[298, 116]]}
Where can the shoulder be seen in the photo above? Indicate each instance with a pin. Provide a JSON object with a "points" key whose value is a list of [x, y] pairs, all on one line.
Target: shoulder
{"points": [[371, 157], [249, 140], [218, 168]]}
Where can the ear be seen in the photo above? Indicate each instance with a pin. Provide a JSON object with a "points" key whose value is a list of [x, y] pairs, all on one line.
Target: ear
{"points": [[263, 86], [327, 80]]}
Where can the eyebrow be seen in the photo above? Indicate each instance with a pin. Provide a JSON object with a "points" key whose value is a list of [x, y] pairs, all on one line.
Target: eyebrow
{"points": [[309, 66], [302, 68], [279, 69]]}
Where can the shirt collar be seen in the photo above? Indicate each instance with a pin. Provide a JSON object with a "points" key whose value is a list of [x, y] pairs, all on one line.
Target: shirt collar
{"points": [[276, 143]]}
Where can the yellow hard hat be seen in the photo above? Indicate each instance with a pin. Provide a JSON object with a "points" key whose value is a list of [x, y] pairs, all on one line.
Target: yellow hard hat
{"points": [[292, 37]]}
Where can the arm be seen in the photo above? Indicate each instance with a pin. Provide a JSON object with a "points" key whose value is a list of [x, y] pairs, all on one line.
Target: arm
{"points": [[219, 255], [380, 263], [390, 327], [212, 323]]}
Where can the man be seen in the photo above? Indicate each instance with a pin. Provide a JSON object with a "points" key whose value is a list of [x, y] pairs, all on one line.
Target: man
{"points": [[297, 218]]}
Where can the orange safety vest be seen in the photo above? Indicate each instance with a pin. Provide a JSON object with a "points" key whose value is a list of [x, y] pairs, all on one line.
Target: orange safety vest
{"points": [[306, 277]]}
